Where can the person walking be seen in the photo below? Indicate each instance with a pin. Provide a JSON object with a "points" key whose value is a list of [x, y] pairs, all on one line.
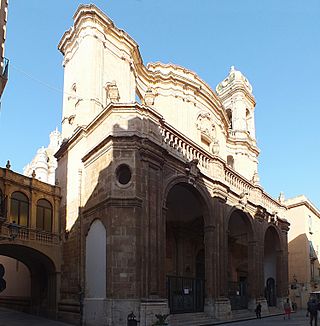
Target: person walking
{"points": [[287, 309], [258, 310], [313, 307]]}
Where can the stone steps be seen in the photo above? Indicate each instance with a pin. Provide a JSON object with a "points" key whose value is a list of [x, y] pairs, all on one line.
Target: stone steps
{"points": [[191, 319]]}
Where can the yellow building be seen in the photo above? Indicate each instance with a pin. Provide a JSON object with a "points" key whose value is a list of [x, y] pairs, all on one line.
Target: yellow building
{"points": [[303, 247]]}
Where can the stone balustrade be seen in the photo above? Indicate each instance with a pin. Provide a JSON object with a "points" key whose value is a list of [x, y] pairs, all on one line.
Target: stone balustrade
{"points": [[184, 148]]}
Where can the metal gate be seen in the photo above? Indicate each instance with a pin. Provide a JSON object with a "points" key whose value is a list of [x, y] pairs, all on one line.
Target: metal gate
{"points": [[238, 295], [185, 294]]}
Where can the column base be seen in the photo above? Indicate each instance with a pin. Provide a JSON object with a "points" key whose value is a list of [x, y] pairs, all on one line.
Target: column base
{"points": [[219, 308], [149, 308]]}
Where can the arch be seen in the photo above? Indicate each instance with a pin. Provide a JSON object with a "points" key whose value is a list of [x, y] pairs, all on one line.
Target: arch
{"points": [[239, 236], [44, 216], [246, 218], [19, 208], [202, 195], [271, 264], [96, 260], [2, 204], [229, 114], [230, 161], [43, 276], [185, 247], [248, 121]]}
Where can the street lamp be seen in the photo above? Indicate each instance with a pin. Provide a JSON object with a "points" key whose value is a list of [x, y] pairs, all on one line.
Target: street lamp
{"points": [[14, 229]]}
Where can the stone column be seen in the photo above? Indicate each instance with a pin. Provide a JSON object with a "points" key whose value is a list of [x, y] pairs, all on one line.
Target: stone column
{"points": [[254, 272], [221, 302], [210, 268]]}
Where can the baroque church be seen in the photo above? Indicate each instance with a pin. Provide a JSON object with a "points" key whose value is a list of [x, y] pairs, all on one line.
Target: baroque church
{"points": [[155, 204], [160, 192]]}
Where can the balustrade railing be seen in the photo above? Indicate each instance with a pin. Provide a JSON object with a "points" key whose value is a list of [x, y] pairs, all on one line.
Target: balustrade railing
{"points": [[28, 234], [185, 148]]}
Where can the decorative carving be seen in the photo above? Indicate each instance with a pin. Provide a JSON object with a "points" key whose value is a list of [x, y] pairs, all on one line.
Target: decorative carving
{"points": [[192, 171], [261, 213], [243, 201], [215, 147], [206, 126], [149, 97], [255, 179], [281, 198], [112, 91]]}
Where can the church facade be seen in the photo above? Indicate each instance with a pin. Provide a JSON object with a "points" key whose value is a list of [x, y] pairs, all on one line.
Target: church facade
{"points": [[160, 192]]}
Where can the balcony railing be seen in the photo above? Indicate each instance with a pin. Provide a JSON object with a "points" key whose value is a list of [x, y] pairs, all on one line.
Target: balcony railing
{"points": [[28, 234]]}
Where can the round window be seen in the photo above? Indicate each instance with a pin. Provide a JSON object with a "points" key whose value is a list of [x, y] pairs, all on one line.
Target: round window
{"points": [[123, 174]]}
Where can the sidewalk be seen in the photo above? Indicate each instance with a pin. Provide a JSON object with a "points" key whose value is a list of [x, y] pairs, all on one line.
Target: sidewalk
{"points": [[16, 318], [297, 319]]}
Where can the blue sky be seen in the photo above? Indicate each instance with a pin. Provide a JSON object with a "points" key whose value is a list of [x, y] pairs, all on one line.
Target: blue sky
{"points": [[275, 43]]}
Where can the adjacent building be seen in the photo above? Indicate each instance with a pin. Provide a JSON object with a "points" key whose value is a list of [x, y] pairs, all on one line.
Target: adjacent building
{"points": [[43, 165], [303, 247]]}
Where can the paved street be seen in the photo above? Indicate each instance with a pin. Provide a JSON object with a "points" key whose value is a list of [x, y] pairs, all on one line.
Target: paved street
{"points": [[297, 319], [14, 318]]}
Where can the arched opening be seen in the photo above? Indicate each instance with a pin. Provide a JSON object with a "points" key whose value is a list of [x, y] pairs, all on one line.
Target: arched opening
{"points": [[230, 161], [271, 265], [32, 280], [2, 205], [44, 215], [96, 274], [238, 260], [17, 277], [229, 114], [20, 208], [185, 254], [248, 121]]}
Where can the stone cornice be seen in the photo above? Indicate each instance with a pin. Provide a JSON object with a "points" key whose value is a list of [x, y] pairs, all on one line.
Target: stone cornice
{"points": [[17, 179], [302, 201]]}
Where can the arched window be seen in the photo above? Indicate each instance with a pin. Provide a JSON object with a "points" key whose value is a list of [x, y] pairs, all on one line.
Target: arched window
{"points": [[230, 161], [44, 215], [20, 208], [229, 114], [2, 205], [248, 120]]}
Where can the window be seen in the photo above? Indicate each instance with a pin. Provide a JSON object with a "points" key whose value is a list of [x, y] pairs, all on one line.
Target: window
{"points": [[229, 114], [230, 161], [20, 208], [44, 215], [123, 174], [2, 210]]}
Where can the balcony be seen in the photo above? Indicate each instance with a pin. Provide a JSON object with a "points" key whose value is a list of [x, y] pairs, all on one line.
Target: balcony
{"points": [[4, 74]]}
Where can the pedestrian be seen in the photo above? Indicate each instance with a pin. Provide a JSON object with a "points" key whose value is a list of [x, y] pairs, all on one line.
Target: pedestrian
{"points": [[294, 306], [313, 307], [287, 309], [258, 310]]}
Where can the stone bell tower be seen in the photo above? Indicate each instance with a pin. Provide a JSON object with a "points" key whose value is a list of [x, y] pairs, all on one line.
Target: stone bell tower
{"points": [[97, 68], [236, 95]]}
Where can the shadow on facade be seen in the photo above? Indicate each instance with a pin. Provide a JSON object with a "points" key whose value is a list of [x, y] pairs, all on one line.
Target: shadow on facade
{"points": [[171, 243]]}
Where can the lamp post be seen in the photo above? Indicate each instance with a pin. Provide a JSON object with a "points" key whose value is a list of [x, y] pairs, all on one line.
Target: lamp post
{"points": [[14, 230]]}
